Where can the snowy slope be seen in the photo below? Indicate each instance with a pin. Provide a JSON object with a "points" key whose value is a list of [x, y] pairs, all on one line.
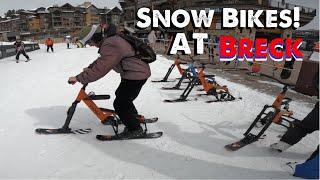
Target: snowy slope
{"points": [[36, 94]]}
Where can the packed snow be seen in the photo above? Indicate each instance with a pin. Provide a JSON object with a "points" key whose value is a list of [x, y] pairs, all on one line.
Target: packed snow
{"points": [[36, 94]]}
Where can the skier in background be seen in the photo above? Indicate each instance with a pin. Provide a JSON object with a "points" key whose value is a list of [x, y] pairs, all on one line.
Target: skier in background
{"points": [[68, 41], [49, 42], [19, 45]]}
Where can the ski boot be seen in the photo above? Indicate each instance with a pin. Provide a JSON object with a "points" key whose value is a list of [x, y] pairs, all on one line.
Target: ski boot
{"points": [[127, 134]]}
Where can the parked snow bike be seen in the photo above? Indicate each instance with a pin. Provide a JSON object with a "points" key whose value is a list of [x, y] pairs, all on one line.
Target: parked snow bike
{"points": [[188, 73], [277, 113], [106, 116], [210, 86], [221, 93], [177, 63]]}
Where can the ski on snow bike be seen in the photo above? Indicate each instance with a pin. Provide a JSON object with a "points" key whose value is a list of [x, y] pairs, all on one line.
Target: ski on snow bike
{"points": [[106, 116], [277, 113]]}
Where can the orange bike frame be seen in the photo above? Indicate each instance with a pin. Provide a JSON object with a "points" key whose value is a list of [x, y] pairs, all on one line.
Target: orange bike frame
{"points": [[102, 115], [277, 106], [208, 86], [178, 65]]}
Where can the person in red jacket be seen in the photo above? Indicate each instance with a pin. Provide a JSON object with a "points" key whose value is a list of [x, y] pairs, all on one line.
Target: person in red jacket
{"points": [[49, 42]]}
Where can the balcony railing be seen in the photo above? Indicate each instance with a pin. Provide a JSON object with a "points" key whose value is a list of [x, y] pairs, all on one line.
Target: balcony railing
{"points": [[269, 4], [277, 4]]}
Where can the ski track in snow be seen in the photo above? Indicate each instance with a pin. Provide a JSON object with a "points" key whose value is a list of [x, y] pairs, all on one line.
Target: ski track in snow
{"points": [[36, 94]]}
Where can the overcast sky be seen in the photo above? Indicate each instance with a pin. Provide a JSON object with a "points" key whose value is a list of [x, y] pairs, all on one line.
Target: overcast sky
{"points": [[314, 24], [5, 5]]}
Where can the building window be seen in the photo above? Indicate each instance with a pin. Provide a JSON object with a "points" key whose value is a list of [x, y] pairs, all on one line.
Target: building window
{"points": [[218, 25]]}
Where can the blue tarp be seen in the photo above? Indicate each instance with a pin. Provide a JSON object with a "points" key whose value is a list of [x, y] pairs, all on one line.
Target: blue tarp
{"points": [[309, 169]]}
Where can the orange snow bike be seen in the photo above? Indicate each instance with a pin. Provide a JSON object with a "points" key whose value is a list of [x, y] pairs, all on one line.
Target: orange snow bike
{"points": [[209, 84], [106, 116], [279, 114]]}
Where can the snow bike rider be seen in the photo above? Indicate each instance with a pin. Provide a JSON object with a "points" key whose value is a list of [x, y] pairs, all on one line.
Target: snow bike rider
{"points": [[117, 54], [307, 126], [294, 134]]}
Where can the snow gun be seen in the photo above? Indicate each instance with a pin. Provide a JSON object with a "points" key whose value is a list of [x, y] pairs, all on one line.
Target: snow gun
{"points": [[278, 113]]}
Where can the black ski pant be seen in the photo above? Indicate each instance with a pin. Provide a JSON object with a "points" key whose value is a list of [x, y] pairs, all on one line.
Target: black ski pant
{"points": [[300, 129], [50, 47], [21, 52], [126, 93]]}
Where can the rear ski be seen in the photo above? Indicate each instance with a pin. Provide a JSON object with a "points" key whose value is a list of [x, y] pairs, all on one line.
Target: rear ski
{"points": [[62, 131], [117, 138], [148, 120]]}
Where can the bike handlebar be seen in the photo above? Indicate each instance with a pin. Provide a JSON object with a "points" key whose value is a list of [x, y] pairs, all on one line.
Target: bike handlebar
{"points": [[84, 86], [285, 88]]}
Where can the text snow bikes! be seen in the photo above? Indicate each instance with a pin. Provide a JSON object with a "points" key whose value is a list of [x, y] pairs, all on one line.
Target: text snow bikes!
{"points": [[106, 116], [279, 114], [231, 48]]}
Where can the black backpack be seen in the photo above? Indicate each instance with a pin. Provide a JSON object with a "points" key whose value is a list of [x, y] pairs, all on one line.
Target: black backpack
{"points": [[142, 50]]}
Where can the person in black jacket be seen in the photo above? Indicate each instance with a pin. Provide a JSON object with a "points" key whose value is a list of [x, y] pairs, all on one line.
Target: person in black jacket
{"points": [[19, 45]]}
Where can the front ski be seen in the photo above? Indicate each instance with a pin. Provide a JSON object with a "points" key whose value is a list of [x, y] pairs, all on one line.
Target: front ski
{"points": [[116, 138], [225, 100], [171, 88], [175, 100], [148, 120], [62, 131], [242, 143], [155, 81]]}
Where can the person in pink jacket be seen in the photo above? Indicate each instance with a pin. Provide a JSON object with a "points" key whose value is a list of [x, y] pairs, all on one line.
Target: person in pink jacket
{"points": [[117, 54]]}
